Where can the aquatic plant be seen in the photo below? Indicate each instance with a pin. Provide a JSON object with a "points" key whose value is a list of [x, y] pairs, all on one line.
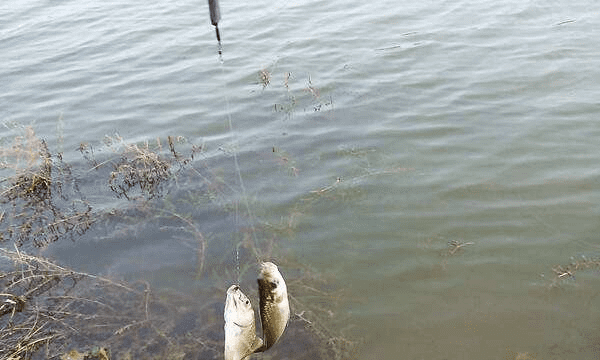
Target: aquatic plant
{"points": [[47, 306], [140, 166], [308, 96], [43, 198]]}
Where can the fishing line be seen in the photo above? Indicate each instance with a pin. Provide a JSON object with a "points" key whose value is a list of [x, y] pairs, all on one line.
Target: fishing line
{"points": [[215, 16]]}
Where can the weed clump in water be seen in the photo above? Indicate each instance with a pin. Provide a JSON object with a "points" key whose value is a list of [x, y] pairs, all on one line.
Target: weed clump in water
{"points": [[40, 194], [143, 167]]}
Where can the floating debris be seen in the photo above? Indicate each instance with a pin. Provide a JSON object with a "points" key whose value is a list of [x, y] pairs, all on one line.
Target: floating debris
{"points": [[454, 246], [264, 76], [567, 272]]}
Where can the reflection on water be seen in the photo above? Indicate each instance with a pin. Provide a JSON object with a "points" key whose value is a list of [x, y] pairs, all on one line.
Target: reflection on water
{"points": [[371, 144]]}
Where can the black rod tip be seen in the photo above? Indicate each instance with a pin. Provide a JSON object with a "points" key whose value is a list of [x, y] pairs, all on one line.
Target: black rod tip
{"points": [[215, 11]]}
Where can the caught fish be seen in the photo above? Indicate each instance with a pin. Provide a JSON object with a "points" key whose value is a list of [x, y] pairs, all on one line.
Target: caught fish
{"points": [[240, 329], [273, 304]]}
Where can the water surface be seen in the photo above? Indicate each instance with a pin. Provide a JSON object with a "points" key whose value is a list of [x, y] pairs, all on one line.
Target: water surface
{"points": [[432, 122]]}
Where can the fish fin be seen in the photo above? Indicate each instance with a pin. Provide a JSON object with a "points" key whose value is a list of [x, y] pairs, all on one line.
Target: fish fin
{"points": [[258, 347]]}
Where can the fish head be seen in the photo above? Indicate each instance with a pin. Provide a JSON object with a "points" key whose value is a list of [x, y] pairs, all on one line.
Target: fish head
{"points": [[238, 309], [272, 283]]}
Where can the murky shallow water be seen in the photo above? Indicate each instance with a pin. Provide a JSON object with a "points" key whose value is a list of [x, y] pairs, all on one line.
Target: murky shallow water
{"points": [[443, 121]]}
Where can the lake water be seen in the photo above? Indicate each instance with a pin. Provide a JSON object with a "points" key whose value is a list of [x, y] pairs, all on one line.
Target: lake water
{"points": [[379, 132]]}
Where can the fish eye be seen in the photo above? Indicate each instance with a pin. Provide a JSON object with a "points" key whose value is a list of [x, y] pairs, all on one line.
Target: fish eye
{"points": [[247, 302]]}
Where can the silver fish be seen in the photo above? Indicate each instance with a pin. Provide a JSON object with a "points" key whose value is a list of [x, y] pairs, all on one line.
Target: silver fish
{"points": [[273, 304], [240, 329]]}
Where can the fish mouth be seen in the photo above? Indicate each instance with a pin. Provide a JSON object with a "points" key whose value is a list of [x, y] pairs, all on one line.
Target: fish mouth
{"points": [[232, 300], [235, 299]]}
